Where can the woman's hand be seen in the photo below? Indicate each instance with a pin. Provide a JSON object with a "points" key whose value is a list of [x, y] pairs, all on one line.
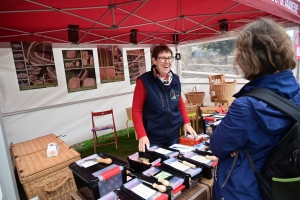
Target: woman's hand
{"points": [[187, 128], [142, 142]]}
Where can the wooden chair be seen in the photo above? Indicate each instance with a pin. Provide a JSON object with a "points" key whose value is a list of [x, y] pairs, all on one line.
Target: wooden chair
{"points": [[103, 127], [213, 80], [129, 119]]}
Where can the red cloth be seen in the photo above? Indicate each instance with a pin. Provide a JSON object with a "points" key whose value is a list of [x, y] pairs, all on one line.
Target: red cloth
{"points": [[139, 98]]}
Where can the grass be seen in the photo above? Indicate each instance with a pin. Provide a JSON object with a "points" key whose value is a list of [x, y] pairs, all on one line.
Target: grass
{"points": [[126, 145]]}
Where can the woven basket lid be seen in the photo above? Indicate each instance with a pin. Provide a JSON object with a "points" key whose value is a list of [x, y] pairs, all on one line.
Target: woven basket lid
{"points": [[34, 145], [37, 164]]}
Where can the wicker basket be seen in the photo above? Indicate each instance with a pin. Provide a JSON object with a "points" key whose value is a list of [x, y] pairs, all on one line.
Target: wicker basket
{"points": [[224, 90], [57, 185], [195, 97], [36, 170]]}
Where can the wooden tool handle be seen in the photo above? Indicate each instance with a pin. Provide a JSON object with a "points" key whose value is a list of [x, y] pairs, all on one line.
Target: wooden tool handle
{"points": [[188, 164], [164, 182], [213, 158], [160, 188], [105, 160], [145, 162]]}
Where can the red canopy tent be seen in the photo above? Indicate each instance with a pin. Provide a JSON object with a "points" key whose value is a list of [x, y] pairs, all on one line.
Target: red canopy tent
{"points": [[111, 21]]}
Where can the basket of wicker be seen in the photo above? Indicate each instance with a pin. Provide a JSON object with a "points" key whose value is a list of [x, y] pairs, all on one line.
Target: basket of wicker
{"points": [[224, 90], [52, 73], [195, 97], [83, 74]]}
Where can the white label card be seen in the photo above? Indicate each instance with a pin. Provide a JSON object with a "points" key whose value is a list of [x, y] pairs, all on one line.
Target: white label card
{"points": [[143, 191], [162, 151], [88, 163], [163, 175], [179, 166], [201, 159]]}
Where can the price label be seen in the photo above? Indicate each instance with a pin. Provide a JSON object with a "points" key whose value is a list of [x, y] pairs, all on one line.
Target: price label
{"points": [[201, 159], [162, 151], [179, 166], [163, 175], [88, 163], [143, 191]]}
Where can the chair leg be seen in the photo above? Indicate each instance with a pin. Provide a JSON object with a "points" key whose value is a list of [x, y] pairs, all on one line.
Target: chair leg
{"points": [[135, 135], [127, 128]]}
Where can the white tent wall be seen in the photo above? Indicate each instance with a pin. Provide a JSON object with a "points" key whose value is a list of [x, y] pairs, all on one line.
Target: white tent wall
{"points": [[34, 113]]}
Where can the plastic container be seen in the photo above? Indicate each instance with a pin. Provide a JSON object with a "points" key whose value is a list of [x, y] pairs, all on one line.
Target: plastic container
{"points": [[189, 140], [84, 175], [203, 149], [163, 152], [110, 178], [191, 175], [138, 166], [175, 181], [132, 187], [200, 160]]}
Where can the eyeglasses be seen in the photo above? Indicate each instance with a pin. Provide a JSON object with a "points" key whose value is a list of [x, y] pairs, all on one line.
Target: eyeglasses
{"points": [[164, 59]]}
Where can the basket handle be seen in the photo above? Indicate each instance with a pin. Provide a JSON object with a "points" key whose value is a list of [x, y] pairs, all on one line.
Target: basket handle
{"points": [[48, 189], [194, 89], [188, 102]]}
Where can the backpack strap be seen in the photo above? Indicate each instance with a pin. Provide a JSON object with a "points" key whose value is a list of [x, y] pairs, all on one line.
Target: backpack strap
{"points": [[277, 101], [232, 167]]}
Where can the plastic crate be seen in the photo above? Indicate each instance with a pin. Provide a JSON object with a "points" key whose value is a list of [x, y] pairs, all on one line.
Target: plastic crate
{"points": [[163, 152], [137, 166], [191, 175], [201, 161], [84, 176], [176, 181], [131, 187]]}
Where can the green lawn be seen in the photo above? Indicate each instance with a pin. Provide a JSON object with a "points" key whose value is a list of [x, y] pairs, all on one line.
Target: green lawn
{"points": [[126, 146]]}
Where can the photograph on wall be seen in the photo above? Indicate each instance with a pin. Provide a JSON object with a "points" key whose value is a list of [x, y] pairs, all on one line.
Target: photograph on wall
{"points": [[34, 64], [110, 63], [136, 64], [79, 69]]}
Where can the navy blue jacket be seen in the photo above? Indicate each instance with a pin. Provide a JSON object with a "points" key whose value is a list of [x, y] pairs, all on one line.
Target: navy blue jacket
{"points": [[256, 125], [161, 115]]}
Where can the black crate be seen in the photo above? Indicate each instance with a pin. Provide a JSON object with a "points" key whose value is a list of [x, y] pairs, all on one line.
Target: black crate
{"points": [[138, 167], [162, 156], [137, 197], [84, 178], [189, 181], [207, 169]]}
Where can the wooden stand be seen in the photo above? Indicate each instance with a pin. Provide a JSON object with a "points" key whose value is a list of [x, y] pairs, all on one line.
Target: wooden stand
{"points": [[224, 102]]}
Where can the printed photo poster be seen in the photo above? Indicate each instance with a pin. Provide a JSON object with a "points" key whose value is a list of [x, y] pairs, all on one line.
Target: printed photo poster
{"points": [[136, 64], [34, 64], [79, 69], [110, 63]]}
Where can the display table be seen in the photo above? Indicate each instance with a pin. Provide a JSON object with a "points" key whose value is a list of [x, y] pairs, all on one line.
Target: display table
{"points": [[201, 191]]}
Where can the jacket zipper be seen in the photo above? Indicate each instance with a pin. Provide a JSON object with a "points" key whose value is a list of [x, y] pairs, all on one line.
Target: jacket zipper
{"points": [[167, 102]]}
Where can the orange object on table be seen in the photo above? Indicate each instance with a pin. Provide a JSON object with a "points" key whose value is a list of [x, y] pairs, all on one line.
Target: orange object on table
{"points": [[190, 141]]}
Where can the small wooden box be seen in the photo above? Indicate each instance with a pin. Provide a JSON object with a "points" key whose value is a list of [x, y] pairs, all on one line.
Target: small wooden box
{"points": [[190, 141]]}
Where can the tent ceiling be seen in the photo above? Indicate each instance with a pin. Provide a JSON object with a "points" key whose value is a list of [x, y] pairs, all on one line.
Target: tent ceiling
{"points": [[110, 21]]}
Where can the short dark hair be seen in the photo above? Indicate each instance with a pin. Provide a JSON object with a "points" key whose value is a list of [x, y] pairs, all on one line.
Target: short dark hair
{"points": [[264, 47], [159, 49]]}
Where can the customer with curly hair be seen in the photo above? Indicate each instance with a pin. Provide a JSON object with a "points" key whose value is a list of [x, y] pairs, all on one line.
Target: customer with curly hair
{"points": [[265, 54]]}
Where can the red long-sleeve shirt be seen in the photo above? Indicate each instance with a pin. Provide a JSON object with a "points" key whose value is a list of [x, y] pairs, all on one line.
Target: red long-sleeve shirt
{"points": [[139, 98]]}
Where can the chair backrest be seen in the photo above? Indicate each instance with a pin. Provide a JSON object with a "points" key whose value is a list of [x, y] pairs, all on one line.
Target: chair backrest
{"points": [[215, 79], [129, 113], [102, 113]]}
